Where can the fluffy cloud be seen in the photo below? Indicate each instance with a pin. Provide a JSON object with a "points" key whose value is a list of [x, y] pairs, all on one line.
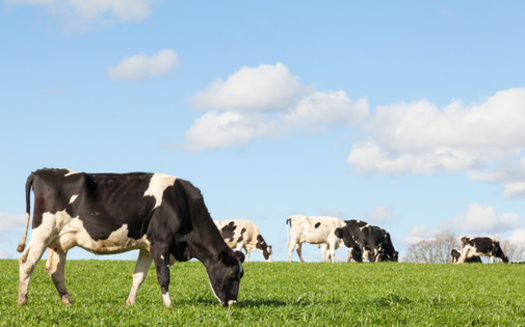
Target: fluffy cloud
{"points": [[140, 67], [517, 236], [421, 138], [478, 220], [486, 220], [510, 174], [266, 101], [418, 234], [80, 14], [10, 221], [382, 214], [263, 88]]}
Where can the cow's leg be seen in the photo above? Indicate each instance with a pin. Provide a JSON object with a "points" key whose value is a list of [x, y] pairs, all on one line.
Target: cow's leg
{"points": [[324, 247], [492, 259], [161, 257], [56, 261], [291, 247], [141, 271], [464, 254], [299, 250], [27, 262], [331, 252]]}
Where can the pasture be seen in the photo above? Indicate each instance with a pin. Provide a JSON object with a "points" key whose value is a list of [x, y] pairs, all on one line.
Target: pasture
{"points": [[275, 294]]}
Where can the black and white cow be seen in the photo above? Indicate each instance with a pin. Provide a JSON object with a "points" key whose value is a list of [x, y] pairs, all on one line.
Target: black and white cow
{"points": [[478, 246], [243, 234], [374, 241], [456, 254], [162, 216], [314, 230]]}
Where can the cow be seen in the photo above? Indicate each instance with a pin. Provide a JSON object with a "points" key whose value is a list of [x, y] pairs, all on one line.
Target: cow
{"points": [[243, 234], [456, 254], [163, 216], [314, 230], [374, 241], [478, 246], [353, 229]]}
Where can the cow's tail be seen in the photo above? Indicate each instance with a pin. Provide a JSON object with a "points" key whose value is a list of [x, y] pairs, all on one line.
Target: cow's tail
{"points": [[288, 222], [29, 183]]}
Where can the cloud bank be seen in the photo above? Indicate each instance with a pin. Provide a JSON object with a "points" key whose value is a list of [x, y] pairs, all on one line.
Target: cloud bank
{"points": [[83, 14], [140, 67], [266, 101], [477, 220]]}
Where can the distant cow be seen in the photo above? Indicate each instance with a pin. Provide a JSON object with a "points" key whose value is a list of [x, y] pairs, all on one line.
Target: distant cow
{"points": [[162, 216], [375, 242], [315, 230], [456, 254], [243, 234], [478, 246]]}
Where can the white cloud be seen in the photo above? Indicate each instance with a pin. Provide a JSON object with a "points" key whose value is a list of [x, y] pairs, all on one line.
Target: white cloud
{"points": [[382, 214], [216, 130], [421, 138], [418, 234], [9, 221], [517, 236], [266, 101], [510, 174], [80, 14], [484, 220], [140, 67], [263, 88]]}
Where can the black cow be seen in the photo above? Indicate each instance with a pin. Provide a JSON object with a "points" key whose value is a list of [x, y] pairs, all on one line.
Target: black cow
{"points": [[478, 246], [374, 241], [456, 254], [162, 216]]}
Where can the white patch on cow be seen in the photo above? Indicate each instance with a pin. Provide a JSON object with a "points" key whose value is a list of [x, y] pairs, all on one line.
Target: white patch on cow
{"points": [[209, 280], [74, 234], [73, 198], [157, 185], [161, 257], [70, 172], [166, 299]]}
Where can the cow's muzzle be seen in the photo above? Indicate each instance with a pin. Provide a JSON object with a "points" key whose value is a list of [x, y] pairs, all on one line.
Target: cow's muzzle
{"points": [[229, 303]]}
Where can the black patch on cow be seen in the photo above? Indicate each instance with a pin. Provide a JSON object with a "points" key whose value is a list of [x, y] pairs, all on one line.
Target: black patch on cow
{"points": [[317, 225], [243, 230], [228, 231], [261, 245]]}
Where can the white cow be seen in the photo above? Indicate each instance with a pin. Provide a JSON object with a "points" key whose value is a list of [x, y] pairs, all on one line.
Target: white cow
{"points": [[314, 230], [243, 234]]}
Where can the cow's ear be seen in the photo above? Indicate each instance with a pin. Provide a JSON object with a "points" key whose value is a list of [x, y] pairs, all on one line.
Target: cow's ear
{"points": [[239, 256], [339, 232]]}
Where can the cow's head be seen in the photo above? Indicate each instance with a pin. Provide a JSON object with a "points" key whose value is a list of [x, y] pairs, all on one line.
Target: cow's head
{"points": [[225, 273], [344, 234], [267, 253]]}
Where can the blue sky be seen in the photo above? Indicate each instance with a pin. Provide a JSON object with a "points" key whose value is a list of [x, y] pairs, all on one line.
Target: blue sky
{"points": [[410, 116]]}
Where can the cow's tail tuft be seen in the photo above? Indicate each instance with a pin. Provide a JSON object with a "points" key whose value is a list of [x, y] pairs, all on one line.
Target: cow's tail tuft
{"points": [[29, 183]]}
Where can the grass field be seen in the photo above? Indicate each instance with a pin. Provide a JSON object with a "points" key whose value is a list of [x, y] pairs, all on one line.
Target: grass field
{"points": [[275, 294]]}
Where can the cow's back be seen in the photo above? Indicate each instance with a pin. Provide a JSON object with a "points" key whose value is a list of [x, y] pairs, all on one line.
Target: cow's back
{"points": [[313, 229]]}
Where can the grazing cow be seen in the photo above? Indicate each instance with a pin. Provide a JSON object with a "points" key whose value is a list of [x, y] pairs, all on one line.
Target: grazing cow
{"points": [[456, 254], [478, 246], [375, 242], [243, 234], [315, 230], [162, 216]]}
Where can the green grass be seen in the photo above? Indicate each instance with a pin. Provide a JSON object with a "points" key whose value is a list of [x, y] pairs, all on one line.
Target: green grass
{"points": [[275, 294]]}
